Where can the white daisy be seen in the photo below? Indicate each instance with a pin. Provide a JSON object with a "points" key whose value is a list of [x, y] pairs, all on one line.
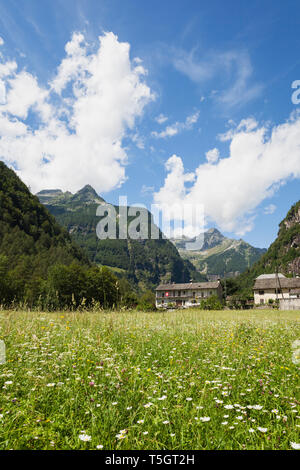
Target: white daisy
{"points": [[84, 437], [262, 429], [295, 445]]}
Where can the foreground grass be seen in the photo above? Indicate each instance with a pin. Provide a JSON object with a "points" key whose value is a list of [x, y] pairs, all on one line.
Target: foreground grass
{"points": [[177, 380]]}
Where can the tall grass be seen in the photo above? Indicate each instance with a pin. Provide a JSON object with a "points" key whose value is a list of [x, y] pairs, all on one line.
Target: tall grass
{"points": [[167, 380]]}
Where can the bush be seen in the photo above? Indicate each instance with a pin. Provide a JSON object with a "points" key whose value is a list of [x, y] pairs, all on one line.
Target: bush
{"points": [[145, 307], [146, 302], [212, 303]]}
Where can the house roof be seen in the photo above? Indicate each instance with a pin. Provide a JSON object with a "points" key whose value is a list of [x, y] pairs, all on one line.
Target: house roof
{"points": [[274, 283], [189, 285], [271, 276]]}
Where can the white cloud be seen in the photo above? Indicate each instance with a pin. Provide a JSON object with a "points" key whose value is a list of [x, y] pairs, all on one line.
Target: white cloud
{"points": [[161, 119], [260, 160], [11, 128], [212, 156], [75, 65], [7, 69], [147, 189], [1, 41], [2, 92], [138, 140], [24, 93], [169, 131], [177, 127], [270, 209], [80, 119], [234, 67], [174, 188], [247, 125]]}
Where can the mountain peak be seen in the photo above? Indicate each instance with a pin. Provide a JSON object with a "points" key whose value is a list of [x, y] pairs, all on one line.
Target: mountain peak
{"points": [[87, 195], [87, 188], [212, 237], [48, 195], [214, 230], [219, 255]]}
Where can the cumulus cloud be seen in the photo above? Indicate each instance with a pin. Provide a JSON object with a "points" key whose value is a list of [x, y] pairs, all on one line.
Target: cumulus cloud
{"points": [[177, 127], [1, 41], [24, 93], [212, 156], [260, 160], [70, 132], [2, 92], [75, 65], [7, 68]]}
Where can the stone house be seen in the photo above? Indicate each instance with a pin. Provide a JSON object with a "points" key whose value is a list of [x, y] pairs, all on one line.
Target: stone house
{"points": [[187, 294], [275, 287]]}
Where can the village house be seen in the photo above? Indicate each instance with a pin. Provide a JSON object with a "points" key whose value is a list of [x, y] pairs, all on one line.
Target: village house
{"points": [[186, 295], [270, 288]]}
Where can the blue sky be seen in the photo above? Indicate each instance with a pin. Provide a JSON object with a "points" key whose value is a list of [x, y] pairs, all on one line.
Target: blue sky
{"points": [[203, 115]]}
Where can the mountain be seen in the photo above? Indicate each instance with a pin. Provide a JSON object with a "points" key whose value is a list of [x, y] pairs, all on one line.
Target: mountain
{"points": [[31, 240], [219, 255], [283, 255], [55, 197], [145, 262]]}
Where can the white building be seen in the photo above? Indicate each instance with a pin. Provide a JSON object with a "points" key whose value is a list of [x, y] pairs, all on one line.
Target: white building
{"points": [[275, 287], [186, 295]]}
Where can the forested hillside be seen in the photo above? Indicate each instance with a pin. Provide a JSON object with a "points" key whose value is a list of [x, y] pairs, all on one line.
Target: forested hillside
{"points": [[283, 254], [146, 262], [39, 262]]}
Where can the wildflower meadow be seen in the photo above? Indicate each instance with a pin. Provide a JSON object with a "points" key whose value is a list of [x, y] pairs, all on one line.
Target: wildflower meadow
{"points": [[163, 380]]}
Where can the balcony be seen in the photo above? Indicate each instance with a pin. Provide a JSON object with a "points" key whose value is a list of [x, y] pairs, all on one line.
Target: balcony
{"points": [[181, 297]]}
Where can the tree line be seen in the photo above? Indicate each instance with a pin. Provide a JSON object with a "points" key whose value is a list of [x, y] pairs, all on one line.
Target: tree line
{"points": [[70, 287]]}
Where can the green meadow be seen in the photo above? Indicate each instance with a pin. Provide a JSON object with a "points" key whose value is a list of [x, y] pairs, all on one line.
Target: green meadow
{"points": [[165, 380]]}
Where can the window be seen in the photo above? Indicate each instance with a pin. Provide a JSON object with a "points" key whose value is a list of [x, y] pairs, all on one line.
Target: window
{"points": [[262, 301], [163, 294], [179, 293], [194, 293], [261, 292]]}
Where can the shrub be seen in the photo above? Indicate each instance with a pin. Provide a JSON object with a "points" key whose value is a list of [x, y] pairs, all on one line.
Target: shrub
{"points": [[212, 303]]}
